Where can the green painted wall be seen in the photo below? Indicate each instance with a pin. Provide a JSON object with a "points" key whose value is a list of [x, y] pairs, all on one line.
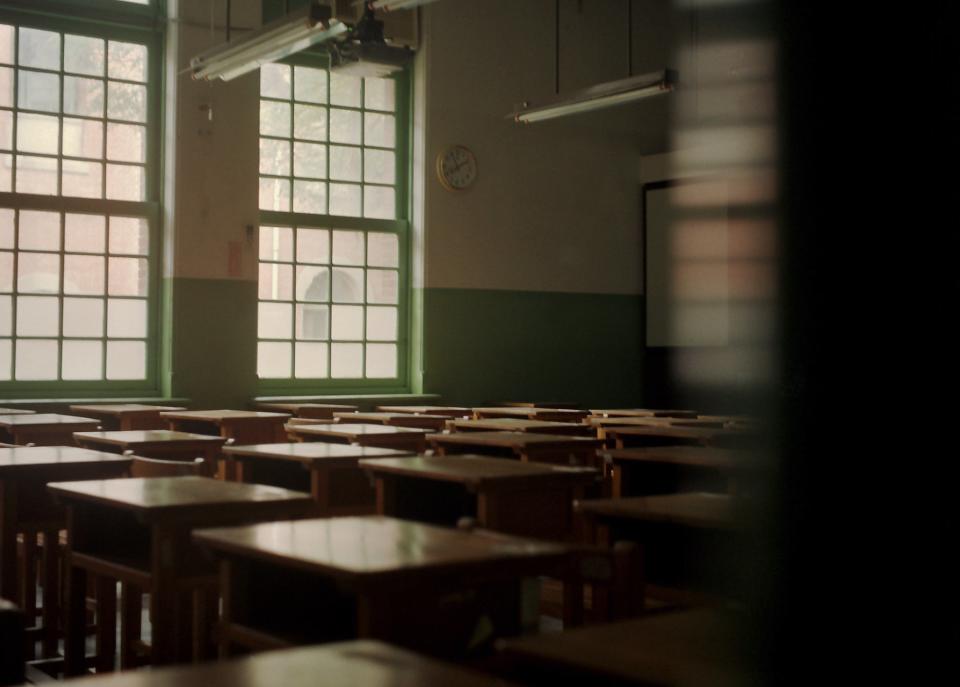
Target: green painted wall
{"points": [[487, 345]]}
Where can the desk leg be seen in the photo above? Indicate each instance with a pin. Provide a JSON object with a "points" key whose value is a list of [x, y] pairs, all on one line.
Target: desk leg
{"points": [[320, 488], [170, 610], [106, 623], [9, 584], [75, 632], [51, 592], [131, 612]]}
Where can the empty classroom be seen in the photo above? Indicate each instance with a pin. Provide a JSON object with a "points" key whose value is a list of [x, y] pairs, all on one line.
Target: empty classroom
{"points": [[418, 342]]}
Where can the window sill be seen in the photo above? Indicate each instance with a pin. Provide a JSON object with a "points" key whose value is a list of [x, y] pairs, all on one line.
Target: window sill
{"points": [[49, 404]]}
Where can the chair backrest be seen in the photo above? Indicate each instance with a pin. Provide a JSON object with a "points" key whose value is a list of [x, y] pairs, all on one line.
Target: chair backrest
{"points": [[153, 467]]}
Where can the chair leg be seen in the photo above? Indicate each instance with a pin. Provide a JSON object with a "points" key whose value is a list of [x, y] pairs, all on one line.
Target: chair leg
{"points": [[51, 593], [28, 586], [131, 609], [106, 623]]}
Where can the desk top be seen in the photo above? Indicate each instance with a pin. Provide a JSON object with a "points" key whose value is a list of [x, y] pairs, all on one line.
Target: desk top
{"points": [[560, 405], [677, 455], [446, 411], [217, 416], [342, 664], [295, 407], [515, 439], [628, 421], [644, 412], [479, 471], [531, 413], [24, 458], [387, 417], [44, 419], [673, 431], [373, 549], [121, 409], [345, 429], [514, 424], [146, 437], [15, 411], [696, 509], [314, 452], [676, 648], [158, 494]]}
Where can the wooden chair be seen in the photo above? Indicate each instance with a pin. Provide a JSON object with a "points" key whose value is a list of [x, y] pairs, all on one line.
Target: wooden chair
{"points": [[12, 656]]}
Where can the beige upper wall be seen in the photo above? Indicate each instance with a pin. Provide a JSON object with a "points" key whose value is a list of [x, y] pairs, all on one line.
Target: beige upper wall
{"points": [[556, 204]]}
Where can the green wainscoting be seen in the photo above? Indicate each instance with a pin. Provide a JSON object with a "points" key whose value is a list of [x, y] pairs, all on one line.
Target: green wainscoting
{"points": [[485, 345]]}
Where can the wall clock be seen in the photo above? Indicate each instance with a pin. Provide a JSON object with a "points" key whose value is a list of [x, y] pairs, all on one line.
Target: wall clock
{"points": [[456, 168]]}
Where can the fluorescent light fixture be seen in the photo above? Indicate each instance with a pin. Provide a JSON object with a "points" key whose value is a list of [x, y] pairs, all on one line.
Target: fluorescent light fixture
{"points": [[390, 5], [296, 31], [377, 60], [599, 97]]}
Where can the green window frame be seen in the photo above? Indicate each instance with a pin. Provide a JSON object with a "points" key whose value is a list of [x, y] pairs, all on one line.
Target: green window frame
{"points": [[312, 339], [80, 189]]}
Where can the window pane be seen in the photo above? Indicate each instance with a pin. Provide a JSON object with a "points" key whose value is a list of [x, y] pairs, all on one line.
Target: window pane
{"points": [[379, 130], [346, 360], [39, 49], [273, 360], [82, 138], [83, 55], [126, 142], [275, 194], [344, 126], [6, 228], [82, 179], [379, 202], [310, 85], [309, 122], [126, 360], [379, 166], [381, 323], [38, 134], [82, 360], [383, 250], [276, 243], [276, 282], [85, 233], [39, 230], [275, 321], [129, 236], [126, 182], [36, 175], [313, 283], [344, 163], [6, 124], [127, 61], [309, 197], [382, 286], [6, 44], [126, 101], [274, 157], [38, 273], [313, 245], [347, 285], [38, 316], [37, 360], [6, 353], [379, 94], [6, 272], [128, 277], [6, 315], [345, 200], [313, 321], [348, 322], [38, 91], [381, 361], [83, 275], [6, 176], [126, 318], [344, 90], [83, 317], [275, 81], [348, 247], [311, 360], [82, 96], [310, 160], [274, 119]]}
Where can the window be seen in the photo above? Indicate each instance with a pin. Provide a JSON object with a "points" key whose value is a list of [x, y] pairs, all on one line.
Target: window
{"points": [[333, 232], [78, 203]]}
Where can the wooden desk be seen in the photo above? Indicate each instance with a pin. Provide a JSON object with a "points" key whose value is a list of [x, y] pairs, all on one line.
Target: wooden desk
{"points": [[15, 411], [448, 411], [159, 443], [671, 435], [502, 494], [565, 405], [524, 413], [527, 446], [434, 423], [680, 648], [26, 508], [670, 469], [137, 531], [243, 426], [511, 424], [126, 416], [383, 436], [415, 585], [317, 411], [601, 424], [44, 429], [328, 471], [644, 412]]}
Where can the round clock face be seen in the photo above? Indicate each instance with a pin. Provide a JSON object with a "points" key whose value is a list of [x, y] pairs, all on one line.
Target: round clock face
{"points": [[456, 168]]}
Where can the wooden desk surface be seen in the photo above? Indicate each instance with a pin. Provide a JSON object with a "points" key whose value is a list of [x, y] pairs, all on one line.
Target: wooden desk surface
{"points": [[348, 430], [479, 471], [22, 458], [447, 411], [560, 405], [643, 412], [146, 437], [314, 452], [44, 419], [723, 459], [374, 549], [530, 413], [153, 496], [513, 424], [675, 648], [705, 434], [514, 440], [697, 509], [15, 411], [217, 416], [386, 417], [295, 408], [121, 409], [341, 664], [627, 421]]}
